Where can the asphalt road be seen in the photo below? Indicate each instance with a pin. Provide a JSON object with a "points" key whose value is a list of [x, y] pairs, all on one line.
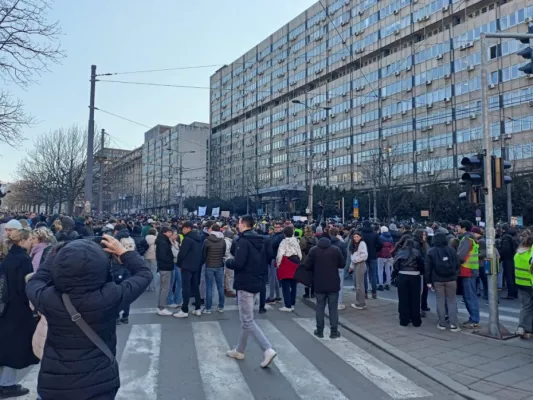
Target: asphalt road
{"points": [[165, 358]]}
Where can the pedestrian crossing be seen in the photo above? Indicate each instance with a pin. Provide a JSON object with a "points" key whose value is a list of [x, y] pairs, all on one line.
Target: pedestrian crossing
{"points": [[306, 367]]}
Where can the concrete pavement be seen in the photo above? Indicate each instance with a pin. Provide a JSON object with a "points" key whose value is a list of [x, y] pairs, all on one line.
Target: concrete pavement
{"points": [[466, 363], [165, 358]]}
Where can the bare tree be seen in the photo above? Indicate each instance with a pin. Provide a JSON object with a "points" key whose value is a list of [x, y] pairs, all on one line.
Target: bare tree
{"points": [[28, 43], [57, 164], [384, 171], [430, 169]]}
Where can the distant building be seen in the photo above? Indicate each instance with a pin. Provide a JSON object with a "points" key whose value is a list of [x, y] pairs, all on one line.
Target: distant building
{"points": [[402, 81], [123, 178], [166, 149]]}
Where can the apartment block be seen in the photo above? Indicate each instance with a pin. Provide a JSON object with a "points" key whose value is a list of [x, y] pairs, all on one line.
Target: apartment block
{"points": [[174, 160], [124, 184], [384, 90]]}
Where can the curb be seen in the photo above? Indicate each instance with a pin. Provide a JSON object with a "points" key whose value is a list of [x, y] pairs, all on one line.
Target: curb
{"points": [[414, 363]]}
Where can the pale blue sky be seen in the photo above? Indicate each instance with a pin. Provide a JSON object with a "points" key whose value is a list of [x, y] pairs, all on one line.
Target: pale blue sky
{"points": [[131, 35]]}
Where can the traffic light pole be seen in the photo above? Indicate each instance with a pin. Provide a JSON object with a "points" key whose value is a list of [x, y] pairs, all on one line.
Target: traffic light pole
{"points": [[494, 329]]}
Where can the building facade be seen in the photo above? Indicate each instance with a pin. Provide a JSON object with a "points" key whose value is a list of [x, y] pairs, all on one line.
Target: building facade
{"points": [[173, 165], [389, 92], [123, 177]]}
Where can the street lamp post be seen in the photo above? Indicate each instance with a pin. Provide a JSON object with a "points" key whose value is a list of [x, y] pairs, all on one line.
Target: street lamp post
{"points": [[181, 154], [310, 157]]}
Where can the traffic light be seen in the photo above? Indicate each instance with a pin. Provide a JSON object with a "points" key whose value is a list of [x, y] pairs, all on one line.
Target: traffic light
{"points": [[498, 166], [473, 179], [339, 204], [527, 53]]}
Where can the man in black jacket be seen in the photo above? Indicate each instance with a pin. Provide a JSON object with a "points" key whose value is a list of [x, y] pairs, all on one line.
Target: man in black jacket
{"points": [[325, 260], [249, 258], [165, 266], [190, 259], [507, 249], [374, 245]]}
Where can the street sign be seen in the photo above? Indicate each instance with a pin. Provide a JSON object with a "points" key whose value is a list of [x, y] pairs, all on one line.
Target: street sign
{"points": [[478, 213], [355, 208], [478, 219], [355, 203]]}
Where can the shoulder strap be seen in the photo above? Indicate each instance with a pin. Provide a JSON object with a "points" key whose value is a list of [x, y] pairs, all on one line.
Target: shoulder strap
{"points": [[85, 328]]}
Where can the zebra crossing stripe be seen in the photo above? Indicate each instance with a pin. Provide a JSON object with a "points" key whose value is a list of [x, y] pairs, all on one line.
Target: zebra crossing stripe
{"points": [[306, 380], [153, 310], [387, 379], [139, 364], [221, 376]]}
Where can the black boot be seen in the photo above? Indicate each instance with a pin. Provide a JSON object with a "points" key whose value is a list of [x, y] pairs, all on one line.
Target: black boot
{"points": [[7, 392], [334, 334], [319, 333]]}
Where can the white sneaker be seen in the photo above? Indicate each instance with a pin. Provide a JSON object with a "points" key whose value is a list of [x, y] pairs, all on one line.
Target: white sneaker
{"points": [[173, 305], [235, 354], [206, 311], [220, 310], [358, 307], [181, 314], [286, 309], [292, 308], [270, 354], [341, 307], [197, 312], [164, 312]]}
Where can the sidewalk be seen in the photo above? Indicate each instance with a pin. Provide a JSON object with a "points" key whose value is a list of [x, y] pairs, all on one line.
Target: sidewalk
{"points": [[473, 366]]}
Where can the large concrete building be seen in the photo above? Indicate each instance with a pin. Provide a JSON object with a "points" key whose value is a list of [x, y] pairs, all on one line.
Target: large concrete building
{"points": [[402, 81], [123, 183], [174, 162]]}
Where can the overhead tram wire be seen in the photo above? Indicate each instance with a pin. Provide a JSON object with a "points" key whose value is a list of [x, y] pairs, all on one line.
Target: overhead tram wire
{"points": [[162, 70]]}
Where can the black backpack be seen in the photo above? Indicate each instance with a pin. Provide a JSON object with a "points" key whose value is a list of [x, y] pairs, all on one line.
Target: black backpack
{"points": [[142, 246], [445, 266]]}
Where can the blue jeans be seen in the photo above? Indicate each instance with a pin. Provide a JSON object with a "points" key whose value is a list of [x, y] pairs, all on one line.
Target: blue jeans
{"points": [[470, 297], [216, 274], [174, 294], [372, 269], [273, 282], [288, 286]]}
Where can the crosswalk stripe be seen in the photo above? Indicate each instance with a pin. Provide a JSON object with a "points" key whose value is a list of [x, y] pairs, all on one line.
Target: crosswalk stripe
{"points": [[149, 310], [307, 381], [221, 376], [387, 379], [139, 364]]}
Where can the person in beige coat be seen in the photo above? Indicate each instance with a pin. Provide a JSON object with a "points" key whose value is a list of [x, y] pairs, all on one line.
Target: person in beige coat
{"points": [[39, 337], [149, 257]]}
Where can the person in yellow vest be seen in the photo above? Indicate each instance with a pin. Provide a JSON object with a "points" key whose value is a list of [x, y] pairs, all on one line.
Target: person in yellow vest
{"points": [[468, 253], [524, 283]]}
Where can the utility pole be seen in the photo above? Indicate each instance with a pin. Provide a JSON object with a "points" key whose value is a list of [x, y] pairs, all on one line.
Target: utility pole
{"points": [[508, 188], [494, 330], [101, 160], [342, 210], [310, 185], [90, 147], [181, 187]]}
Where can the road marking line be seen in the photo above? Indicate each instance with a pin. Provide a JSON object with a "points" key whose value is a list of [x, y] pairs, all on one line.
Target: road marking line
{"points": [[140, 363], [387, 379], [232, 307], [221, 376], [304, 377]]}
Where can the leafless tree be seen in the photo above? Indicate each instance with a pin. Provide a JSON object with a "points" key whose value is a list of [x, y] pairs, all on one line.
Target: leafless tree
{"points": [[58, 164], [430, 170], [384, 171], [28, 44]]}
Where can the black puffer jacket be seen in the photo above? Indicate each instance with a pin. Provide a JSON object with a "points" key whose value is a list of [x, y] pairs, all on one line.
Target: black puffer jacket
{"points": [[72, 366], [325, 260], [249, 262], [190, 257], [408, 260], [214, 250], [163, 253]]}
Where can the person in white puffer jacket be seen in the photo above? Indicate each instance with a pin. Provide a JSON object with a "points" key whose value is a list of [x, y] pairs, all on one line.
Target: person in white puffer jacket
{"points": [[228, 273]]}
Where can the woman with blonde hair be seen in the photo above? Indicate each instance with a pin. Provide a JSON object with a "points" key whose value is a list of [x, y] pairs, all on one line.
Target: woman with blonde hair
{"points": [[42, 240], [17, 323]]}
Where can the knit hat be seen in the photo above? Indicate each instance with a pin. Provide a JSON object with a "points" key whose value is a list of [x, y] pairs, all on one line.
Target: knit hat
{"points": [[393, 227], [67, 223], [384, 229], [13, 224]]}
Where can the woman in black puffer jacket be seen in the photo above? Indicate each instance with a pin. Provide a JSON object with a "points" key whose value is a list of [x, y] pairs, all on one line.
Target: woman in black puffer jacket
{"points": [[72, 366]]}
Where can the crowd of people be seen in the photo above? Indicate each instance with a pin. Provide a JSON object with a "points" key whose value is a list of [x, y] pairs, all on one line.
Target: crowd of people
{"points": [[58, 271]]}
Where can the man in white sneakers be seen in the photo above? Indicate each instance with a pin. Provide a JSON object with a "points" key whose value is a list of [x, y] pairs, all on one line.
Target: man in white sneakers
{"points": [[249, 253], [165, 266]]}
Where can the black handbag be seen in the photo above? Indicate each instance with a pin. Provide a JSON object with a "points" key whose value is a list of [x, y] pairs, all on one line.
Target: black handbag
{"points": [[85, 328], [303, 275]]}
